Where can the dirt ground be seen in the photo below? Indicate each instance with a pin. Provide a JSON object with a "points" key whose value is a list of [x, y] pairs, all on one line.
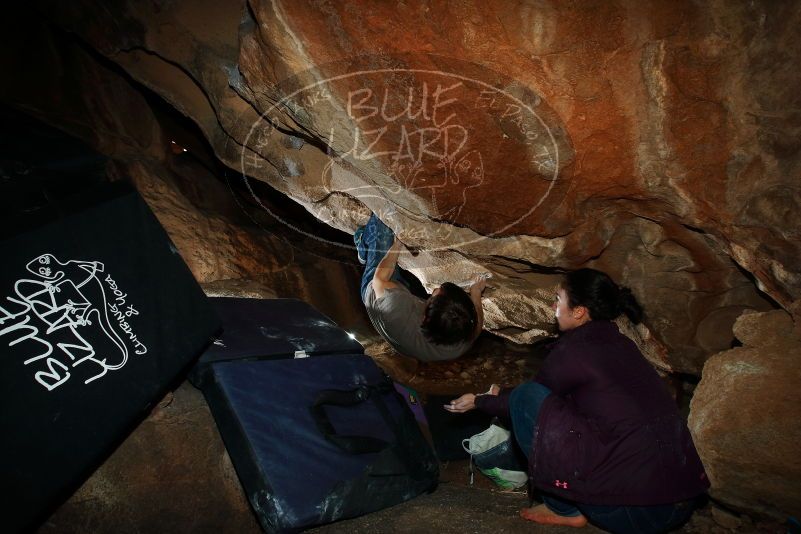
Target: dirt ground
{"points": [[173, 474], [455, 507], [492, 360], [482, 508], [459, 507]]}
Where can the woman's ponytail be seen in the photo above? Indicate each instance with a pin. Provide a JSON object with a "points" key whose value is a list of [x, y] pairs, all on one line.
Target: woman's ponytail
{"points": [[628, 305], [601, 295]]}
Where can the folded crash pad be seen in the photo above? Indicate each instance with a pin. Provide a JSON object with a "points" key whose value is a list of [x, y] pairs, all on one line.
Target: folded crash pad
{"points": [[99, 316]]}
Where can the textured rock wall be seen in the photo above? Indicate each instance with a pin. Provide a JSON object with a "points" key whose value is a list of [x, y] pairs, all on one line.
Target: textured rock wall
{"points": [[746, 416], [174, 465], [227, 248], [656, 141]]}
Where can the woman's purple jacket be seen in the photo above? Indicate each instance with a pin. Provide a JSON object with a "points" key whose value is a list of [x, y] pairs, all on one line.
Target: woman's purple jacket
{"points": [[609, 433]]}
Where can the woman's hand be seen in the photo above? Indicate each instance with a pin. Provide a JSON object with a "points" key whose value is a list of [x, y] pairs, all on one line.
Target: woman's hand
{"points": [[463, 404], [467, 402]]}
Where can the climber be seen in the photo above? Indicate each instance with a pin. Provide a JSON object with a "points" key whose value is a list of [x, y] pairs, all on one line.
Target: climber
{"points": [[440, 328], [605, 440]]}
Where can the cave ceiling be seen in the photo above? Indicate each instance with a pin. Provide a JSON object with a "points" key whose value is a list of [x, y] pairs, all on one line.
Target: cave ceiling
{"points": [[658, 142]]}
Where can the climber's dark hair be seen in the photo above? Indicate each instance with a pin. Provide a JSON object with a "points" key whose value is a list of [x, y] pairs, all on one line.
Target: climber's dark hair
{"points": [[601, 295], [450, 316]]}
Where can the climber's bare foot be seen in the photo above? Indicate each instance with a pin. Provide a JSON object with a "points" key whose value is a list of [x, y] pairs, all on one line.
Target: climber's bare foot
{"points": [[544, 516]]}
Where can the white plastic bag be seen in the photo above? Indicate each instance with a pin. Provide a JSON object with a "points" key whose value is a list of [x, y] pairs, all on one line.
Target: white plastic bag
{"points": [[493, 453]]}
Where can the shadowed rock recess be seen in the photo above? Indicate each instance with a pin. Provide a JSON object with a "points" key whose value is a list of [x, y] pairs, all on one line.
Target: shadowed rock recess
{"points": [[657, 141]]}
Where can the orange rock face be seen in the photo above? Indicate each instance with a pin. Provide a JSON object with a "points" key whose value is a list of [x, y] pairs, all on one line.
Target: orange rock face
{"points": [[655, 141]]}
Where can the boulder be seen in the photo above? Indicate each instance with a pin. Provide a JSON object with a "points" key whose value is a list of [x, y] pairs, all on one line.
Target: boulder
{"points": [[218, 234], [657, 143], [172, 466], [233, 257], [745, 417]]}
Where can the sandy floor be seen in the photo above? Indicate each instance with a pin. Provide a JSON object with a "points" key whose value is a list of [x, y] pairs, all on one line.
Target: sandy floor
{"points": [[455, 507]]}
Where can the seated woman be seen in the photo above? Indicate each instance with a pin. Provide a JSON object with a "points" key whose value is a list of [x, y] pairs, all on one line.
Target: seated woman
{"points": [[605, 440]]}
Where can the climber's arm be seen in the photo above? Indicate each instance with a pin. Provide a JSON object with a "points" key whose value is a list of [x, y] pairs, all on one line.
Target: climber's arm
{"points": [[475, 296], [383, 273]]}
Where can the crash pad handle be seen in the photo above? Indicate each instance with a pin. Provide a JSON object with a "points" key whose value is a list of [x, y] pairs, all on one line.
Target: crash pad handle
{"points": [[350, 444]]}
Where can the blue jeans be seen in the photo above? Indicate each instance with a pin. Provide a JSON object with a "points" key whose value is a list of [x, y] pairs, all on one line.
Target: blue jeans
{"points": [[636, 519], [373, 240], [524, 406]]}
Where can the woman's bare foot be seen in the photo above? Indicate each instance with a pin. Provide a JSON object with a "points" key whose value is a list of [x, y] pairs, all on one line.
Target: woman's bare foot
{"points": [[543, 515]]}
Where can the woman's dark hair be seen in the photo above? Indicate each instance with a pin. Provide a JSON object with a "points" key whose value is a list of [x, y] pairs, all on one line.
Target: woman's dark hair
{"points": [[450, 316], [601, 295]]}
